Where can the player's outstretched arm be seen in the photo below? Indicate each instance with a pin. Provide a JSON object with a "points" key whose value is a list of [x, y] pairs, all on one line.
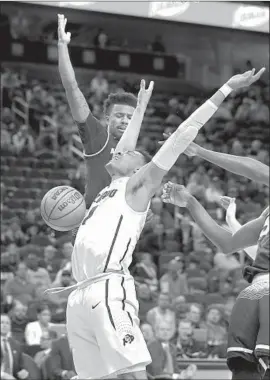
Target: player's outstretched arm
{"points": [[77, 102], [129, 139], [230, 206], [244, 166], [227, 242], [146, 181]]}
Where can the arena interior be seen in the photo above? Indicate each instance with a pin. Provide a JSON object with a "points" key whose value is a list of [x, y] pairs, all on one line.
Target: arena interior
{"points": [[189, 53]]}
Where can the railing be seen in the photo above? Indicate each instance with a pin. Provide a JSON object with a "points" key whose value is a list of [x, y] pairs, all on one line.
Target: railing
{"points": [[20, 108]]}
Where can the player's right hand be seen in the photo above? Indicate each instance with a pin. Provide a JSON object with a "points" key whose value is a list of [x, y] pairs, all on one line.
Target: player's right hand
{"points": [[63, 36]]}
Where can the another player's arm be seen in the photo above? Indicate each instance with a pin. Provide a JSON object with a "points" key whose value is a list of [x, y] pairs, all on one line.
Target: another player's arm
{"points": [[227, 242], [129, 139], [78, 105], [146, 181], [244, 166], [230, 206]]}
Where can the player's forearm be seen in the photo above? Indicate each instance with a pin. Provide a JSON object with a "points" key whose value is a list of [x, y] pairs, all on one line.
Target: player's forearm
{"points": [[234, 227], [245, 166], [76, 100], [215, 233], [199, 117], [66, 70], [130, 137]]}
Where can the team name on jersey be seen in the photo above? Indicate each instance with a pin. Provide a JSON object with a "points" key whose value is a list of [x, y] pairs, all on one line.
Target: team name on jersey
{"points": [[106, 194]]}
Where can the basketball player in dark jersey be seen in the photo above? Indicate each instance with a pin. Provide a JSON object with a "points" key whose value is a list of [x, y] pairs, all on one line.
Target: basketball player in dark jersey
{"points": [[99, 142], [248, 339]]}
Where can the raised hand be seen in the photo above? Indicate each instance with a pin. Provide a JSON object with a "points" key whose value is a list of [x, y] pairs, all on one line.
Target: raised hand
{"points": [[229, 205], [245, 79], [144, 94], [175, 194], [63, 36]]}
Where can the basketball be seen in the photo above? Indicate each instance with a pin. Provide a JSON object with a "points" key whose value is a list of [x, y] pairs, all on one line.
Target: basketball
{"points": [[63, 208]]}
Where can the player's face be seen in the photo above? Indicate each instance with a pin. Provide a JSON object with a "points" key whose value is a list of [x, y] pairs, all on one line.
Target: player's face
{"points": [[119, 117], [125, 164]]}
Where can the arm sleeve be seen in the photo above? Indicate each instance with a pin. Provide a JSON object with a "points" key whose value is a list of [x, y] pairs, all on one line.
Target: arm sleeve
{"points": [[94, 136]]}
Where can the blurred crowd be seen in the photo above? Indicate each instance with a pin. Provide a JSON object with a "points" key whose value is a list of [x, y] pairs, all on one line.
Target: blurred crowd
{"points": [[186, 288]]}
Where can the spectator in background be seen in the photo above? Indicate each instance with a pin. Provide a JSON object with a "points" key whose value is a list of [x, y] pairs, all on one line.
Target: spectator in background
{"points": [[180, 308], [66, 262], [61, 361], [46, 346], [216, 333], [175, 116], [145, 271], [148, 332], [60, 299], [101, 39], [35, 330], [36, 274], [19, 26], [14, 233], [244, 111], [11, 352], [41, 298], [50, 260], [194, 315], [162, 312], [23, 142], [187, 346], [19, 320], [157, 46], [19, 287], [174, 281], [164, 332], [146, 301], [161, 214], [99, 86]]}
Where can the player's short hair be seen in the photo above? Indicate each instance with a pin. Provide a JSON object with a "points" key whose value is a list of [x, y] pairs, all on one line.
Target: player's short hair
{"points": [[125, 98], [147, 157]]}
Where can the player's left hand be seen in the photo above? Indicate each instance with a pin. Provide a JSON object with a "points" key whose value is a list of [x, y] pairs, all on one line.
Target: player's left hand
{"points": [[144, 94], [245, 79]]}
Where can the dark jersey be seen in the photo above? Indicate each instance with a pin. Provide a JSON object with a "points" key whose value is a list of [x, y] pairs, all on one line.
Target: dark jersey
{"points": [[261, 262], [98, 148]]}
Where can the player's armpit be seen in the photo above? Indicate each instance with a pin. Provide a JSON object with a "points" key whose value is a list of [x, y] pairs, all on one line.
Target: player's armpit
{"points": [[142, 186]]}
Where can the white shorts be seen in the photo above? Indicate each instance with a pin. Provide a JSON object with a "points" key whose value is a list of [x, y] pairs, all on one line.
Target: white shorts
{"points": [[103, 329]]}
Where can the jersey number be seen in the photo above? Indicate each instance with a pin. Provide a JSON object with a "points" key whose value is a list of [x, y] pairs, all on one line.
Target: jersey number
{"points": [[91, 212]]}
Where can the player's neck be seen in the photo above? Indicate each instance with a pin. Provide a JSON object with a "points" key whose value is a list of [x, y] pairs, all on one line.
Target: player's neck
{"points": [[115, 177]]}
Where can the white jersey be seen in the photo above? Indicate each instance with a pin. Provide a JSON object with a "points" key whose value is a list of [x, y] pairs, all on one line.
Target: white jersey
{"points": [[108, 235]]}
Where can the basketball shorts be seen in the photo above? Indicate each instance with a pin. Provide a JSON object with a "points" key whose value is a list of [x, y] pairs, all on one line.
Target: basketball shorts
{"points": [[103, 329], [248, 336]]}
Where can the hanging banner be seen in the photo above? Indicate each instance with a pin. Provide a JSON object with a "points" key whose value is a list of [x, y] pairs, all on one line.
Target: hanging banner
{"points": [[232, 15]]}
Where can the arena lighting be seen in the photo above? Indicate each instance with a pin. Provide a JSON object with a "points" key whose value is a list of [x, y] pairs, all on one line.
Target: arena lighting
{"points": [[250, 17], [167, 8]]}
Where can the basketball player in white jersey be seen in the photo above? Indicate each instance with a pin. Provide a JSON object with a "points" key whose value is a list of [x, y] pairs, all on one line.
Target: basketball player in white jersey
{"points": [[102, 313]]}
